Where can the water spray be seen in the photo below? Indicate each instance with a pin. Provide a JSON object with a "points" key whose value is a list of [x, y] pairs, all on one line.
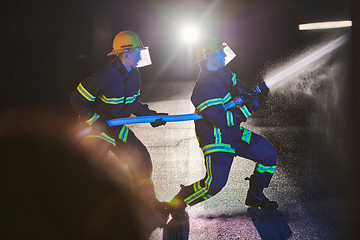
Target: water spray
{"points": [[306, 61], [240, 100]]}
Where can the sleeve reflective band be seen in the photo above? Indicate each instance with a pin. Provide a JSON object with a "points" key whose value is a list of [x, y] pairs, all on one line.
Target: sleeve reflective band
{"points": [[229, 118], [233, 78], [227, 98], [93, 119], [261, 168], [245, 111], [133, 98], [208, 103], [215, 101], [123, 135], [85, 93], [246, 137], [112, 100]]}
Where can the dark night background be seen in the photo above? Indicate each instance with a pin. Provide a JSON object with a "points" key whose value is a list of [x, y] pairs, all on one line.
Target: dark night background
{"points": [[48, 47]]}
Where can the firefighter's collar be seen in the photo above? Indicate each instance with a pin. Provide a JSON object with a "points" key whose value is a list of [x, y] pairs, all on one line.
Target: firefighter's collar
{"points": [[211, 73], [120, 66]]}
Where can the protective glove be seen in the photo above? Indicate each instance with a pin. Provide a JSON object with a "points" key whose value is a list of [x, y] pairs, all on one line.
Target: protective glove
{"points": [[262, 89], [253, 104], [158, 122]]}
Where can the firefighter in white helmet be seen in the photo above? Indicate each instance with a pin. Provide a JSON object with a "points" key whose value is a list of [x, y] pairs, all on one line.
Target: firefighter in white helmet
{"points": [[114, 92], [220, 133]]}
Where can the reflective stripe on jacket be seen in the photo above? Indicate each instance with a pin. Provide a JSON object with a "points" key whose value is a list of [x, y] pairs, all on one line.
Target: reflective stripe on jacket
{"points": [[218, 127], [110, 93]]}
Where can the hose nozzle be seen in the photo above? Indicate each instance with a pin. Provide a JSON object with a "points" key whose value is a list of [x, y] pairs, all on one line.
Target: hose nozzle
{"points": [[261, 88]]}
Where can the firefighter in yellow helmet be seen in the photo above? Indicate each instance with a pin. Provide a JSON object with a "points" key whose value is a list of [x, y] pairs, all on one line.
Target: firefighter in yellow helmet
{"points": [[220, 134], [114, 92], [130, 43]]}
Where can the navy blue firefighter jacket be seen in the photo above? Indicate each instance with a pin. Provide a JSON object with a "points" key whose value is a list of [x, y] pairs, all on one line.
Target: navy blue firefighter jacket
{"points": [[112, 92], [219, 127]]}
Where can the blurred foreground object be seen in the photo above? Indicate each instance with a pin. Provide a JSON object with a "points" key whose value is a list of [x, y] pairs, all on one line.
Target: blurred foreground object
{"points": [[51, 188]]}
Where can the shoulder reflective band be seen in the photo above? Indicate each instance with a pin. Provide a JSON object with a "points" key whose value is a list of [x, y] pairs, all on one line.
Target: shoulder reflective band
{"points": [[85, 93]]}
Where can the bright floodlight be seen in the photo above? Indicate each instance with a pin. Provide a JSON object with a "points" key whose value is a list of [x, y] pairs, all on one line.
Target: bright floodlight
{"points": [[325, 25], [190, 34]]}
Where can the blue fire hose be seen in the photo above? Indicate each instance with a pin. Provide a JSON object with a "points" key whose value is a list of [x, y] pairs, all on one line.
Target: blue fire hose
{"points": [[238, 101]]}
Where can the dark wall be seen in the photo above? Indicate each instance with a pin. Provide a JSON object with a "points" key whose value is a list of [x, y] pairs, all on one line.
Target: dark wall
{"points": [[49, 47], [315, 115], [353, 112]]}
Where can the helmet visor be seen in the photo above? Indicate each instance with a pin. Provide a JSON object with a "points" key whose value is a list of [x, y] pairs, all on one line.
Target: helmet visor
{"points": [[145, 58], [230, 55]]}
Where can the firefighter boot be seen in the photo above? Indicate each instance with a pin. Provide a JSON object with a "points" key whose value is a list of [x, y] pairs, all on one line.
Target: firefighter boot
{"points": [[256, 198], [177, 207]]}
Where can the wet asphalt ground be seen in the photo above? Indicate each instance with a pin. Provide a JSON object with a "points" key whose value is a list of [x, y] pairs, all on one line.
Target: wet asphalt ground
{"points": [[50, 191], [313, 180], [178, 160]]}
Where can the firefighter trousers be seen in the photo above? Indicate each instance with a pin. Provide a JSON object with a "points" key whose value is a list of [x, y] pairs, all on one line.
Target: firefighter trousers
{"points": [[218, 166], [132, 153]]}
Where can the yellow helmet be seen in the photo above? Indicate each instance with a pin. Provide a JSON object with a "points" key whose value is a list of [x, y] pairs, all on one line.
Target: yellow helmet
{"points": [[126, 40], [206, 47]]}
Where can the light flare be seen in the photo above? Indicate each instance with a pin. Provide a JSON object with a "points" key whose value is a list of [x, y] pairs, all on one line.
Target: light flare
{"points": [[325, 25], [190, 34]]}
